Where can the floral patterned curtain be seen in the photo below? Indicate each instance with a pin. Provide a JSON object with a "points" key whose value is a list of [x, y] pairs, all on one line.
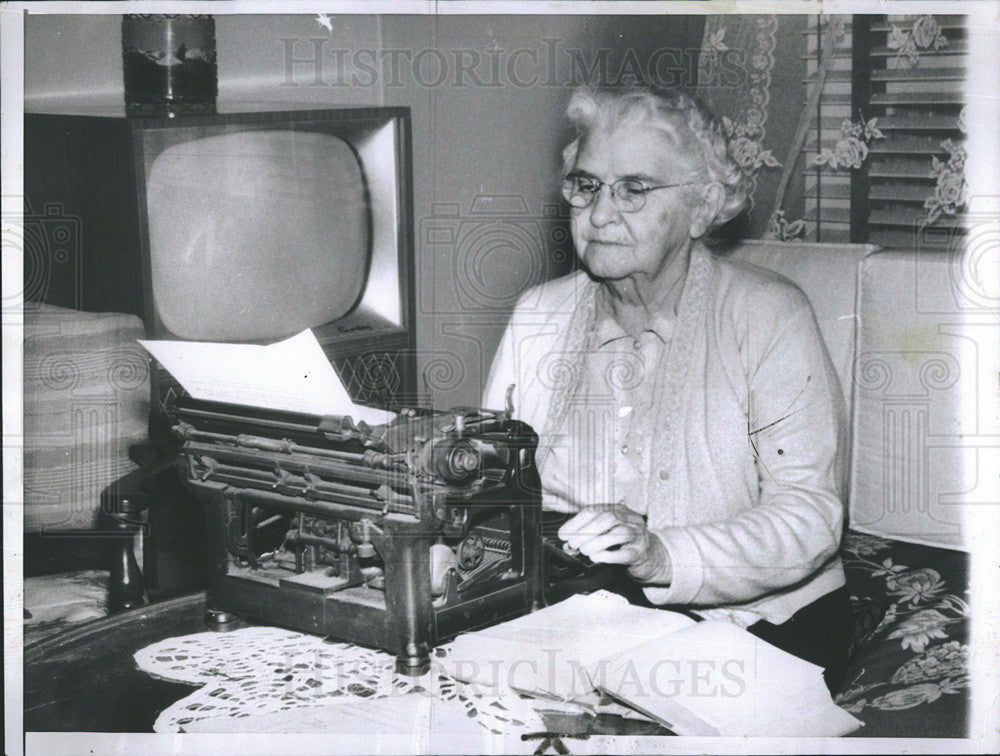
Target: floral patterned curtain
{"points": [[783, 86], [751, 73]]}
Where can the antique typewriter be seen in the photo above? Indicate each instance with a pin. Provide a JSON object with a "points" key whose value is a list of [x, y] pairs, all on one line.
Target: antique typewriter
{"points": [[397, 536]]}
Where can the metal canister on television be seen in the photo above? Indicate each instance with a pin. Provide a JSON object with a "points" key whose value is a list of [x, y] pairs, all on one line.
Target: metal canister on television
{"points": [[169, 64]]}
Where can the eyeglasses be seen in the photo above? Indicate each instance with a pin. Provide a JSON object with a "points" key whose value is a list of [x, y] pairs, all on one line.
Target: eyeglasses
{"points": [[629, 195]]}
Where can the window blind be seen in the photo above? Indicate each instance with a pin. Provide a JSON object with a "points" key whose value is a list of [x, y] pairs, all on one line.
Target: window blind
{"points": [[916, 67], [827, 192], [907, 72]]}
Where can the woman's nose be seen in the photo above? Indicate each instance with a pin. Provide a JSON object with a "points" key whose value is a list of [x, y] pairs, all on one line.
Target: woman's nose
{"points": [[604, 210]]}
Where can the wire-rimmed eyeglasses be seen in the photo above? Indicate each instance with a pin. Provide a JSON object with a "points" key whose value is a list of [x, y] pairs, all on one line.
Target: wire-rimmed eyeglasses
{"points": [[628, 194]]}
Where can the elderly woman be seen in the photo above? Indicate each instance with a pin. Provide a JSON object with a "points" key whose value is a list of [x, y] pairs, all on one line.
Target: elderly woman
{"points": [[687, 411]]}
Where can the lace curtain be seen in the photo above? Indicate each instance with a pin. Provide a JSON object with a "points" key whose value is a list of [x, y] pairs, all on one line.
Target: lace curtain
{"points": [[751, 73], [783, 86]]}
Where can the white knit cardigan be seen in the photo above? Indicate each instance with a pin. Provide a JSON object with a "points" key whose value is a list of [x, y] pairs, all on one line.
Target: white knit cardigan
{"points": [[744, 475]]}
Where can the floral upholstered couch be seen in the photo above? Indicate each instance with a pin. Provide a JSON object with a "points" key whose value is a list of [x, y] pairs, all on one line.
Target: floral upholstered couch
{"points": [[909, 675]]}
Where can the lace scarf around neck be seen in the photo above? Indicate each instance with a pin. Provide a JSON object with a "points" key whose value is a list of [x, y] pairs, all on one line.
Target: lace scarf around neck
{"points": [[669, 380]]}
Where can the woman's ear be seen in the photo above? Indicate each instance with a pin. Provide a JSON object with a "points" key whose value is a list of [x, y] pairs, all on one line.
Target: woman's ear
{"points": [[713, 197]]}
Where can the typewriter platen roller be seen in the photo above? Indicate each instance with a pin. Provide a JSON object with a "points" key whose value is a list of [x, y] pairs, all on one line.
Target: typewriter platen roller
{"points": [[398, 536]]}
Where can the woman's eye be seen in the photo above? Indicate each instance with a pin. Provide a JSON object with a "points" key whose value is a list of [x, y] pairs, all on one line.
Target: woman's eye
{"points": [[633, 189], [588, 187]]}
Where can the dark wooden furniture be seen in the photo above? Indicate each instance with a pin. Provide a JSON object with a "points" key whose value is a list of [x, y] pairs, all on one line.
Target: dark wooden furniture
{"points": [[85, 680]]}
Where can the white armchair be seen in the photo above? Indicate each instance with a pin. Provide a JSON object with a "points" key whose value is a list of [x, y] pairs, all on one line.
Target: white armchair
{"points": [[895, 323]]}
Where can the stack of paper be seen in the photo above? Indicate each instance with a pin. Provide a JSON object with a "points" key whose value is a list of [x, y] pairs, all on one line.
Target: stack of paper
{"points": [[557, 650], [714, 678], [293, 375], [697, 678]]}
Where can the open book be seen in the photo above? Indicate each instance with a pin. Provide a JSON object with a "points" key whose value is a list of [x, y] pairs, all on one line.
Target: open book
{"points": [[697, 678]]}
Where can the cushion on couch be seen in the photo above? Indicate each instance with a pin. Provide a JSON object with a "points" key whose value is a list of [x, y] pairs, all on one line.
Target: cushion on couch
{"points": [[911, 675], [86, 400], [911, 466]]}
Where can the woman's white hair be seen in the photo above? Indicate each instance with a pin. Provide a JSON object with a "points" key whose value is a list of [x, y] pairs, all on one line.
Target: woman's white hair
{"points": [[590, 108]]}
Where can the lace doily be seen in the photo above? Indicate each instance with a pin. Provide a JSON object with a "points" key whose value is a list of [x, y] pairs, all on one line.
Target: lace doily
{"points": [[263, 670]]}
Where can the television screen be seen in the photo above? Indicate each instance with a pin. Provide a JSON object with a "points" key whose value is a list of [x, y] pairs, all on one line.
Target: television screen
{"points": [[255, 235]]}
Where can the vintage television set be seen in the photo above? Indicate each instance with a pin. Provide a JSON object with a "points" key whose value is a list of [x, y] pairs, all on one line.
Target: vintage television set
{"points": [[230, 227], [235, 227]]}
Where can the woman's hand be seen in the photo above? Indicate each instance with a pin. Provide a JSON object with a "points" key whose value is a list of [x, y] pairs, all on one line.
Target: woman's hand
{"points": [[614, 534]]}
